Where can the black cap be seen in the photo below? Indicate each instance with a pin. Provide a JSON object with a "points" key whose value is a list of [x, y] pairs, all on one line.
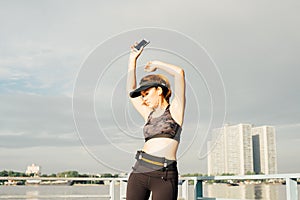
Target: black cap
{"points": [[153, 80]]}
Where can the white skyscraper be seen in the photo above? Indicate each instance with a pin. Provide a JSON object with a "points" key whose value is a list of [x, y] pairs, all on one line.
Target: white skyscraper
{"points": [[264, 150], [33, 169], [216, 155], [230, 150]]}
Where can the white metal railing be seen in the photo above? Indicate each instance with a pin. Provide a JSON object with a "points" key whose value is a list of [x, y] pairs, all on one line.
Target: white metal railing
{"points": [[291, 182], [122, 182], [291, 185]]}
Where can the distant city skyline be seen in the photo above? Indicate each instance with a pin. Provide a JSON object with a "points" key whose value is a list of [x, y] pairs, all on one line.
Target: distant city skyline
{"points": [[240, 149]]}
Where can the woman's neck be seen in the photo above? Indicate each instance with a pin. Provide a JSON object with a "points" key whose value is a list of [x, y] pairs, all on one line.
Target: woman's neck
{"points": [[162, 105]]}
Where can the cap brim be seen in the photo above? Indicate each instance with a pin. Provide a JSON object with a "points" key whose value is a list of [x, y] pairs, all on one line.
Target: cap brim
{"points": [[137, 92]]}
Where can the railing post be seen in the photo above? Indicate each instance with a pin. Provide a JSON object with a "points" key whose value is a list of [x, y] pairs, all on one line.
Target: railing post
{"points": [[291, 189], [112, 189], [123, 187], [185, 189], [198, 188]]}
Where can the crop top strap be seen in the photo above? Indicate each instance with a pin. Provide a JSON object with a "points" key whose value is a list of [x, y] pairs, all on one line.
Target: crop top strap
{"points": [[167, 108], [150, 114]]}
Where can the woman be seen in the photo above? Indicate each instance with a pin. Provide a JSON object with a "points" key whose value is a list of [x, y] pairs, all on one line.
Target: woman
{"points": [[156, 169]]}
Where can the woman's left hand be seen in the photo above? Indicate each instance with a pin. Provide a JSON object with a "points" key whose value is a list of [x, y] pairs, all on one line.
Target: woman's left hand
{"points": [[150, 67]]}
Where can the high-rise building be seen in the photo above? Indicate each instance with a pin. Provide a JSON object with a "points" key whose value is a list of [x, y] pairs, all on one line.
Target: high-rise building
{"points": [[239, 149], [264, 150], [33, 169], [230, 150], [216, 154]]}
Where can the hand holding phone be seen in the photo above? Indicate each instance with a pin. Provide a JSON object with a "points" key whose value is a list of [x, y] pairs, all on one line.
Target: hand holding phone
{"points": [[141, 44]]}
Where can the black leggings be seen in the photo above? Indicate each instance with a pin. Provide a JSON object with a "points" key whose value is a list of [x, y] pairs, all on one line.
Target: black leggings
{"points": [[162, 184]]}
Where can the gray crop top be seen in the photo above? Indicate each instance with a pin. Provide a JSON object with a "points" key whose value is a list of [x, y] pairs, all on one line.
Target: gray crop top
{"points": [[162, 126]]}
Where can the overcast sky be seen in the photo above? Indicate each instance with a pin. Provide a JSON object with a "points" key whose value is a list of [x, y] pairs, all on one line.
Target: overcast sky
{"points": [[252, 48]]}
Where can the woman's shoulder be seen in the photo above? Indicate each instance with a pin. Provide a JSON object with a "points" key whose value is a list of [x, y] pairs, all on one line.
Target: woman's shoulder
{"points": [[176, 113]]}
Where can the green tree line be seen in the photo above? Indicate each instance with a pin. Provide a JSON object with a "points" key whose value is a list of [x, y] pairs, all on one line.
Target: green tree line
{"points": [[10, 173]]}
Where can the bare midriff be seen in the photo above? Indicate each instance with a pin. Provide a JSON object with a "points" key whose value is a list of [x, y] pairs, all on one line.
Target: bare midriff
{"points": [[162, 147]]}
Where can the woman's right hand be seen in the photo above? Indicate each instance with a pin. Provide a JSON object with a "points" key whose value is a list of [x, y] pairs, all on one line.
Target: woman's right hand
{"points": [[151, 66], [134, 53]]}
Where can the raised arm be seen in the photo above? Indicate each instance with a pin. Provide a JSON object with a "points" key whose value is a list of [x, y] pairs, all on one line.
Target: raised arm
{"points": [[177, 106], [131, 83], [131, 75]]}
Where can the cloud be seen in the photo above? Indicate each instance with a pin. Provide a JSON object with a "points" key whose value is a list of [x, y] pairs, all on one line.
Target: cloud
{"points": [[255, 45], [19, 141], [40, 71], [51, 159], [26, 118]]}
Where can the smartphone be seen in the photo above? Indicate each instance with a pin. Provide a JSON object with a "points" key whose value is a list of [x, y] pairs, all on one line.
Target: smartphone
{"points": [[141, 44]]}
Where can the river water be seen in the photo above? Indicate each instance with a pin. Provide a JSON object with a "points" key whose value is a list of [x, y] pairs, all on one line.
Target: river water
{"points": [[75, 192]]}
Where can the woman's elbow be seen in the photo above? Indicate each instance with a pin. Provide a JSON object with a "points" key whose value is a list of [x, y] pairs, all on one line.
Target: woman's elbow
{"points": [[181, 72]]}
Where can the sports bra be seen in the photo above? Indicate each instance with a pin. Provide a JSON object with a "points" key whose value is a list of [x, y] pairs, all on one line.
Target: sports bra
{"points": [[163, 126]]}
